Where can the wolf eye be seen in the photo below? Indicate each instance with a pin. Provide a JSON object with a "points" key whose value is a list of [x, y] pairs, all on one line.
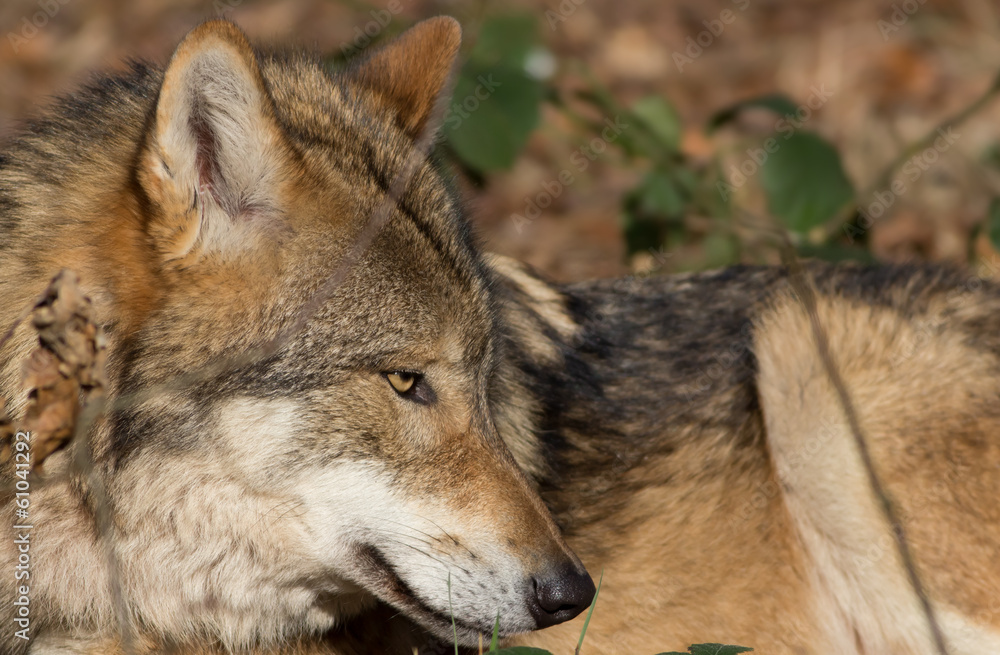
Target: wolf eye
{"points": [[402, 381], [411, 386]]}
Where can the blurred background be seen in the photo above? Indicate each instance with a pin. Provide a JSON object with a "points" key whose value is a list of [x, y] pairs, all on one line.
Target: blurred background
{"points": [[607, 137]]}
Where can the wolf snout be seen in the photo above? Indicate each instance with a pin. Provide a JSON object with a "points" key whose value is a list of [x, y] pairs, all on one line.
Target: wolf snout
{"points": [[560, 594]]}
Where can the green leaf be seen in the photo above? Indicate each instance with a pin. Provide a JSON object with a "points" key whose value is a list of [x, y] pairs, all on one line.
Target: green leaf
{"points": [[776, 102], [717, 649], [993, 223], [804, 181], [488, 128], [522, 650], [495, 642], [711, 649], [659, 194], [661, 119], [496, 103], [653, 208], [505, 40], [686, 179]]}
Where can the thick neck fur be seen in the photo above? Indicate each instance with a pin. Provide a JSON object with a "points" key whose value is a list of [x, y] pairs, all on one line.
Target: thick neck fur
{"points": [[86, 218], [54, 221]]}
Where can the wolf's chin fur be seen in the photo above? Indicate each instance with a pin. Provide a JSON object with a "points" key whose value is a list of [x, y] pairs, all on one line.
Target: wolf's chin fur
{"points": [[678, 434]]}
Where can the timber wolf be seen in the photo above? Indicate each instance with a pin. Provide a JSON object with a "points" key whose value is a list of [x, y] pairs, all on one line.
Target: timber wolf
{"points": [[450, 435]]}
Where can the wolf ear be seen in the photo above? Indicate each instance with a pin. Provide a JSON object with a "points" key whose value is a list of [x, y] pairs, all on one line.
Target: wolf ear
{"points": [[214, 151], [411, 71]]}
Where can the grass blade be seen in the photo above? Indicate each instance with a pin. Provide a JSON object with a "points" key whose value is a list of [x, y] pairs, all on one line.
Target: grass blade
{"points": [[590, 613], [495, 642]]}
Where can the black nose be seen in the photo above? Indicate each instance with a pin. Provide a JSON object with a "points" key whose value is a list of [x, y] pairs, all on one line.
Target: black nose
{"points": [[561, 594]]}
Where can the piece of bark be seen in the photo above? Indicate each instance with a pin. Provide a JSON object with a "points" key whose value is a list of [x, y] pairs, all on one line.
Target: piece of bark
{"points": [[66, 370]]}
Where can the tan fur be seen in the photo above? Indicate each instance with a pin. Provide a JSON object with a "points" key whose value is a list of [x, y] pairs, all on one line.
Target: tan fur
{"points": [[677, 435], [699, 555], [687, 571], [859, 585]]}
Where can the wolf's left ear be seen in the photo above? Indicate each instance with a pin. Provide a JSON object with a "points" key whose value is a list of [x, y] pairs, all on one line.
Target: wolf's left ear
{"points": [[411, 71], [214, 156]]}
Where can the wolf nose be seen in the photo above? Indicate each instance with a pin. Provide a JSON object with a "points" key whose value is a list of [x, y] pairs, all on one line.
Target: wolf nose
{"points": [[560, 595]]}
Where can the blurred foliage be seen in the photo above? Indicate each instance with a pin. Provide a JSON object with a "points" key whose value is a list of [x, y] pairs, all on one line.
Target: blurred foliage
{"points": [[776, 102], [804, 181], [799, 172], [496, 107], [994, 223], [496, 102]]}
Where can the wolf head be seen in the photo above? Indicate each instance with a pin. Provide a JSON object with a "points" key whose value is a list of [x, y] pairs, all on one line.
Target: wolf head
{"points": [[363, 458]]}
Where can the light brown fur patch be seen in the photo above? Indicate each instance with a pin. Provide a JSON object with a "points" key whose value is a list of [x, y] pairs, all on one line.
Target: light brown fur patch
{"points": [[928, 406]]}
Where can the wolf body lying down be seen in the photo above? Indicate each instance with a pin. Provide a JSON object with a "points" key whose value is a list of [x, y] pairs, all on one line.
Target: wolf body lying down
{"points": [[448, 434]]}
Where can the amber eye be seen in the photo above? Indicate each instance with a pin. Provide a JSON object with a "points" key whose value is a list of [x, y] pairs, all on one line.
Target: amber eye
{"points": [[411, 386], [402, 381]]}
